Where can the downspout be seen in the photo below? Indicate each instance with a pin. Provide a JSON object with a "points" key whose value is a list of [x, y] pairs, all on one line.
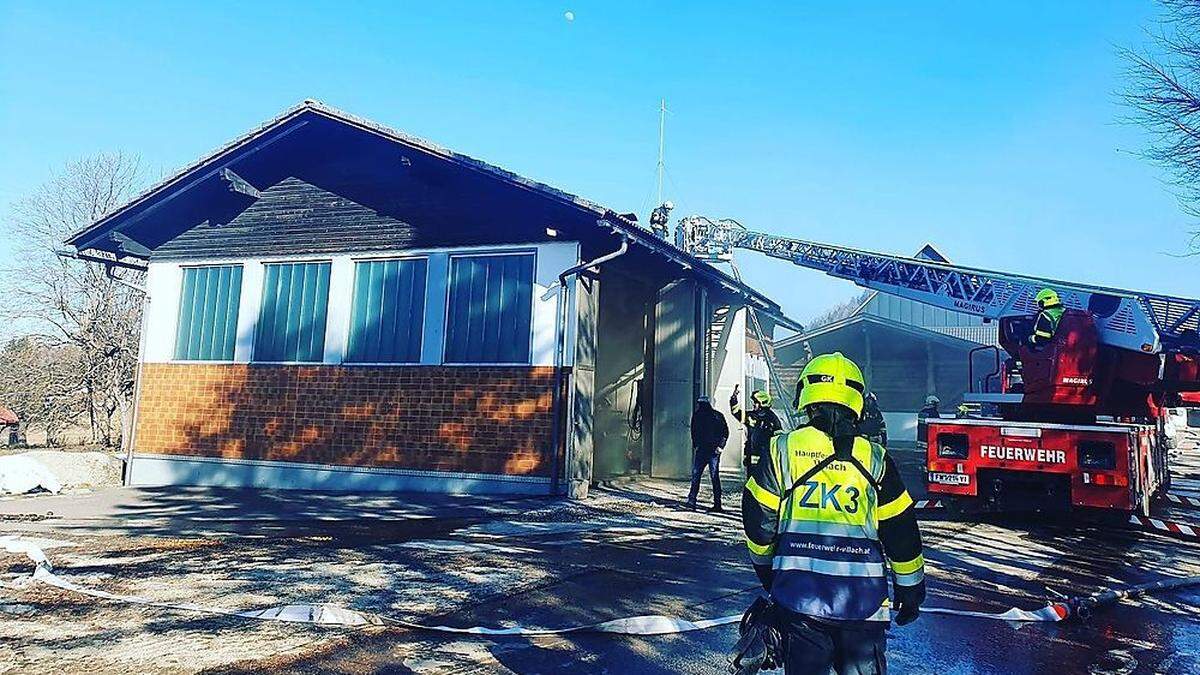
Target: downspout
{"points": [[127, 439], [111, 273], [560, 356], [131, 439]]}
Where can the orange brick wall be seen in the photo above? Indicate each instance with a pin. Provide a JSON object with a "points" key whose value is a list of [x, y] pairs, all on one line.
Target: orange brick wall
{"points": [[469, 419]]}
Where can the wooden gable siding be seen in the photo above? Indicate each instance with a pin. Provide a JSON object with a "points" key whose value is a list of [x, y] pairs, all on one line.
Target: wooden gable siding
{"points": [[294, 217]]}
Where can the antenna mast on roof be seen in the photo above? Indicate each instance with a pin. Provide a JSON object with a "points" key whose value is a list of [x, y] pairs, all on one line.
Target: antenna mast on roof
{"points": [[662, 212], [662, 129]]}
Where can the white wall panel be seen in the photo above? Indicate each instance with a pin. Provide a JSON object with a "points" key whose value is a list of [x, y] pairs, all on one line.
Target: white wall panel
{"points": [[164, 282]]}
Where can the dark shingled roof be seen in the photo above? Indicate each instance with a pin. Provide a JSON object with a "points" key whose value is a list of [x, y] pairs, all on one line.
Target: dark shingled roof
{"points": [[95, 235]]}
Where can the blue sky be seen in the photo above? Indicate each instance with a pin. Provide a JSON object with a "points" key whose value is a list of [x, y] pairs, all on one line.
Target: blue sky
{"points": [[991, 131]]}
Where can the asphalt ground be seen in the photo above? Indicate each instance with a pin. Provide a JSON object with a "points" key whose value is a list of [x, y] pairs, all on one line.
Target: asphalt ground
{"points": [[631, 549]]}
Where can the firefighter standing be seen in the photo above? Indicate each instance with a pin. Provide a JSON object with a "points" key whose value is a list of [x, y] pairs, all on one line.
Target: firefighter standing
{"points": [[930, 409], [659, 218], [1050, 311], [872, 425], [825, 514], [761, 424], [927, 412]]}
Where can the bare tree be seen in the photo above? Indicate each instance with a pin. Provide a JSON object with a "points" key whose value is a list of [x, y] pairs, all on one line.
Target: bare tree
{"points": [[840, 311], [1164, 96], [71, 305], [42, 383]]}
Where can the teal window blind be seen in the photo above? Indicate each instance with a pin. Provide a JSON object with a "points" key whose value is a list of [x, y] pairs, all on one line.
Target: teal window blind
{"points": [[387, 316], [489, 311], [208, 313], [291, 322]]}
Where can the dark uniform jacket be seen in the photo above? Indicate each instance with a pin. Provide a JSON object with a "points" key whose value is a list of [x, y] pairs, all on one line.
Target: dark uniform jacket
{"points": [[761, 425], [873, 426], [1045, 325]]}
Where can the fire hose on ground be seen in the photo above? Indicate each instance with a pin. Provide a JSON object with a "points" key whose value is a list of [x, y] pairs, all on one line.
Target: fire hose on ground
{"points": [[333, 615]]}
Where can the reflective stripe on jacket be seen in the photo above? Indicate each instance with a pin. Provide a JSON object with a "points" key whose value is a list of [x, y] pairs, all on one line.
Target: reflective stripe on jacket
{"points": [[761, 424], [826, 559], [1046, 324]]}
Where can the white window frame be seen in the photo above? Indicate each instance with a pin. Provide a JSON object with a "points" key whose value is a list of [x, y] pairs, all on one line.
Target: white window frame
{"points": [[263, 262], [349, 322], [179, 301], [166, 280], [532, 253]]}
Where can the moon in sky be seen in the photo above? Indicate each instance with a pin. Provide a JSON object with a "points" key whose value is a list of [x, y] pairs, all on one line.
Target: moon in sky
{"points": [[569, 15]]}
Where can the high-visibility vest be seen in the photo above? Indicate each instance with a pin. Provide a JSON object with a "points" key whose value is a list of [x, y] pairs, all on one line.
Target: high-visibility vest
{"points": [[827, 560], [1045, 324]]}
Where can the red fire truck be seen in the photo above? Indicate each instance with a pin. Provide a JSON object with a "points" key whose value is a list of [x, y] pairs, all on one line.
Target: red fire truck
{"points": [[1077, 422]]}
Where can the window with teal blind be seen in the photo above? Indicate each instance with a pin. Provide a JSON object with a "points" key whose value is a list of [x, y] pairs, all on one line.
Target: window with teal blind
{"points": [[490, 306], [387, 315], [208, 313], [291, 321]]}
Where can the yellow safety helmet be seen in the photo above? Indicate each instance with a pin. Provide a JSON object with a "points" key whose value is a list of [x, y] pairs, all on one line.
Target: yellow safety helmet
{"points": [[832, 378], [762, 397], [1047, 297]]}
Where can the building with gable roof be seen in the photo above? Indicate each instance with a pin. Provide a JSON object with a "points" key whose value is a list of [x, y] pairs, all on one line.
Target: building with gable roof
{"points": [[334, 304]]}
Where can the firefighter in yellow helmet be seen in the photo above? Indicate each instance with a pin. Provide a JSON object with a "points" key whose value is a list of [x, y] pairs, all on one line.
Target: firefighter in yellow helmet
{"points": [[761, 424], [826, 517], [1050, 311]]}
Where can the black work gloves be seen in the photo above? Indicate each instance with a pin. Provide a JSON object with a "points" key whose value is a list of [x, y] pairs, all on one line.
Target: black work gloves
{"points": [[908, 603]]}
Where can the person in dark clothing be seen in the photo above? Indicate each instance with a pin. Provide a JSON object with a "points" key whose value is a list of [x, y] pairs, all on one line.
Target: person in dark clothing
{"points": [[872, 425], [929, 411], [761, 424], [710, 432]]}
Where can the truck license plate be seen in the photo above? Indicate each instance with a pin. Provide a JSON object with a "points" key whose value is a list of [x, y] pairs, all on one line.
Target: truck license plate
{"points": [[949, 478]]}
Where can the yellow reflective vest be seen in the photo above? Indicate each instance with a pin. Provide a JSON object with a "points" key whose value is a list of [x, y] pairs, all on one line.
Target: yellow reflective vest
{"points": [[826, 557]]}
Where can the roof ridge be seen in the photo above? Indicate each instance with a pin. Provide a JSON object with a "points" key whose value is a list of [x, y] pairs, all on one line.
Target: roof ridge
{"points": [[318, 106]]}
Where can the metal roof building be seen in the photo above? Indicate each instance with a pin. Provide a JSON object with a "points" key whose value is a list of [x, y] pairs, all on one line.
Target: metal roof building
{"points": [[907, 350]]}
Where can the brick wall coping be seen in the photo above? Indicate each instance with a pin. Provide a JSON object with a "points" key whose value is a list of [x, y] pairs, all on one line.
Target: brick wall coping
{"points": [[221, 472]]}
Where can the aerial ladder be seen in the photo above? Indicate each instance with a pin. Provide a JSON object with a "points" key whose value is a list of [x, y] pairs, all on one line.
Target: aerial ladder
{"points": [[1075, 423]]}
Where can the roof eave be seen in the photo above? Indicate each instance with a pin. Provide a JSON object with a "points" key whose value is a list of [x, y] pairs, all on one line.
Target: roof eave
{"points": [[216, 156]]}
